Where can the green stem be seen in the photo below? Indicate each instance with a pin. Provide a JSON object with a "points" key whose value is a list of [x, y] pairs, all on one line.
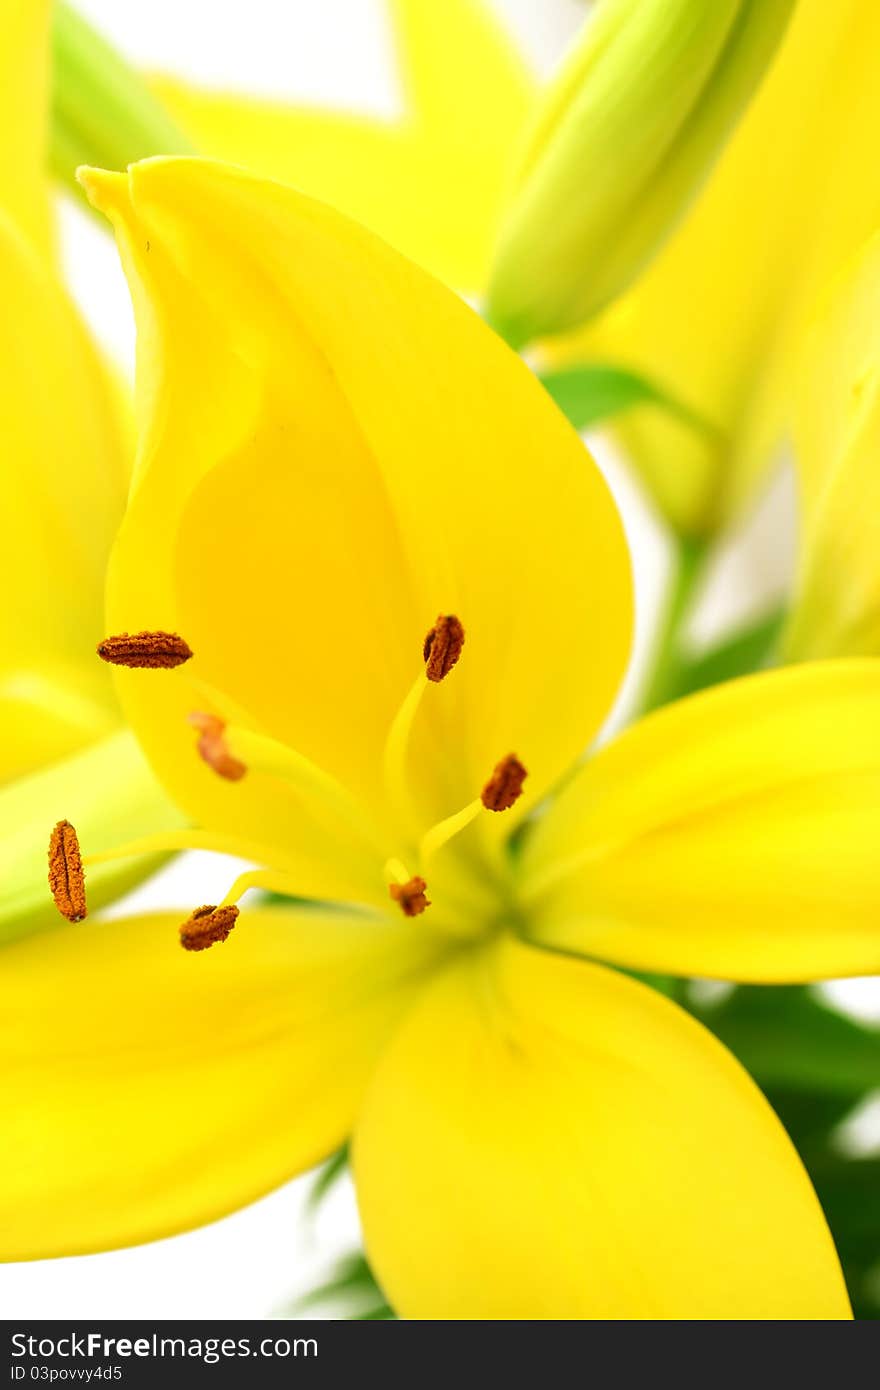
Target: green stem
{"points": [[103, 113], [670, 659]]}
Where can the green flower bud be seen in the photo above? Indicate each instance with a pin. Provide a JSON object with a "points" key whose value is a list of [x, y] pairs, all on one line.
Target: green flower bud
{"points": [[624, 139]]}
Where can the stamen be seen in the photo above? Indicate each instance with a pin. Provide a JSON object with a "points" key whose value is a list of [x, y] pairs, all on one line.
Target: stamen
{"points": [[145, 649], [206, 926], [441, 650], [66, 878], [443, 646], [213, 748], [505, 785], [410, 896]]}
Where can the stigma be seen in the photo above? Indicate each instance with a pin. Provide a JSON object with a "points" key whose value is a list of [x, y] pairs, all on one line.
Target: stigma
{"points": [[410, 896], [213, 748], [66, 877], [206, 926], [443, 646], [505, 785], [153, 650]]}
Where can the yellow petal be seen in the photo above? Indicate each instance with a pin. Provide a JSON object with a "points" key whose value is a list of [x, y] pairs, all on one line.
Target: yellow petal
{"points": [[63, 480], [432, 181], [733, 834], [547, 1139], [24, 115], [109, 794], [336, 450], [837, 439], [146, 1090], [719, 318]]}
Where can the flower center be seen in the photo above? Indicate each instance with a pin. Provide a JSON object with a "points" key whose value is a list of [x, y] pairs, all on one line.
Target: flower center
{"points": [[232, 750]]}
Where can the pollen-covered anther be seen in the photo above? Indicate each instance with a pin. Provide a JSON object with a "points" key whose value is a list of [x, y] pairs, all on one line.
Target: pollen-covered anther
{"points": [[505, 785], [153, 650], [411, 896], [66, 878], [443, 646], [212, 746], [207, 925]]}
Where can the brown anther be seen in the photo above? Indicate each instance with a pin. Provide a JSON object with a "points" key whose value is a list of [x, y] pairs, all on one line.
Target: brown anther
{"points": [[212, 746], [505, 785], [443, 646], [145, 649], [66, 878], [207, 925], [411, 896]]}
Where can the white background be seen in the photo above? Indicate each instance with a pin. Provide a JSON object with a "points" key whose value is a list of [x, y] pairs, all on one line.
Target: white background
{"points": [[252, 1264]]}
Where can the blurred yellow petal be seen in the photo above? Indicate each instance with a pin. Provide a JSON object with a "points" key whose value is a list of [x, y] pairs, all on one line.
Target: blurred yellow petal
{"points": [[432, 181], [837, 442], [145, 1090], [718, 319], [63, 480], [109, 794], [336, 450], [733, 834], [547, 1139], [24, 115]]}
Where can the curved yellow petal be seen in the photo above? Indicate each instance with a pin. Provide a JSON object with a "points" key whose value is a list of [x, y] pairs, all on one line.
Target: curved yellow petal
{"points": [[335, 450], [432, 181], [733, 834], [546, 1139], [836, 611], [719, 318], [24, 116], [146, 1090], [63, 480], [109, 794]]}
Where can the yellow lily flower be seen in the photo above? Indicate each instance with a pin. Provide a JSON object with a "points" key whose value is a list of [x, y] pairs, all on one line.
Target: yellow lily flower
{"points": [[432, 181], [622, 141], [62, 488], [335, 449], [836, 611], [719, 319]]}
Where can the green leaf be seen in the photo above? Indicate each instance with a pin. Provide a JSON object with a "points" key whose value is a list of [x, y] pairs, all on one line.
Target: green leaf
{"points": [[597, 391], [814, 1065], [849, 1190], [353, 1290], [749, 649], [326, 1179], [788, 1038]]}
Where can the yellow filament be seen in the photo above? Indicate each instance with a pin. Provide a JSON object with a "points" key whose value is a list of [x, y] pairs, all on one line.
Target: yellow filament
{"points": [[168, 843], [396, 748], [267, 879], [444, 830], [396, 872]]}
